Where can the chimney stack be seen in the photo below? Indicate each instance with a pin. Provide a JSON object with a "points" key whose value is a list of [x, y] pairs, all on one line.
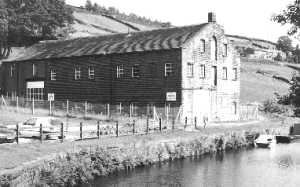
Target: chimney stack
{"points": [[212, 17]]}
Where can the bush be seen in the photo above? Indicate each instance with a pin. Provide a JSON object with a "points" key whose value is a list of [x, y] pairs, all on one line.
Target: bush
{"points": [[271, 106]]}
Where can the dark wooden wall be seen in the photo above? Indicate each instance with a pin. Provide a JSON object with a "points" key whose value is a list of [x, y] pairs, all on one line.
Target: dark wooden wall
{"points": [[150, 87]]}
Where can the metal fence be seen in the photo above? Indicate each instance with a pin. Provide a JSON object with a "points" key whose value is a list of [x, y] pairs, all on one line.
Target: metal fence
{"points": [[91, 110], [120, 111], [248, 112]]}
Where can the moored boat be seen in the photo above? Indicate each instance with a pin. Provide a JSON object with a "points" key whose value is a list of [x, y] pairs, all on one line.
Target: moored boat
{"points": [[283, 139], [264, 141]]}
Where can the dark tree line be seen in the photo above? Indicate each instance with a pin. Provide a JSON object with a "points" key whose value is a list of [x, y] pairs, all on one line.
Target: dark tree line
{"points": [[112, 11], [25, 22]]}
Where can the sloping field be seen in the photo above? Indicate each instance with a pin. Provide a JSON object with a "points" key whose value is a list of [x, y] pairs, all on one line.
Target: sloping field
{"points": [[89, 24], [258, 84]]}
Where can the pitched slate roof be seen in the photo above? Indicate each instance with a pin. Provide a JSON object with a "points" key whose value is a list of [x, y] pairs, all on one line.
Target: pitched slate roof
{"points": [[108, 44]]}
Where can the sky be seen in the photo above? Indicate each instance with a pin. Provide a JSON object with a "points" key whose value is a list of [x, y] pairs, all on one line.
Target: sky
{"points": [[251, 18]]}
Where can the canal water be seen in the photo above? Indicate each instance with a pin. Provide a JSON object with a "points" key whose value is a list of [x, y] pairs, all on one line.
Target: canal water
{"points": [[278, 166]]}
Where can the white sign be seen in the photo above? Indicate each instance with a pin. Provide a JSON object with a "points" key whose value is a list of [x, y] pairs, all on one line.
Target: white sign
{"points": [[35, 84], [171, 96], [50, 96]]}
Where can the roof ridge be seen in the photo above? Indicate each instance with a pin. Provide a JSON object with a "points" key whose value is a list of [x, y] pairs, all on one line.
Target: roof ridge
{"points": [[157, 39], [121, 34]]}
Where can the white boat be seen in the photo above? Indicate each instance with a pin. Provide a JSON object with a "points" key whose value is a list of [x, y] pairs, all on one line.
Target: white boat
{"points": [[265, 140]]}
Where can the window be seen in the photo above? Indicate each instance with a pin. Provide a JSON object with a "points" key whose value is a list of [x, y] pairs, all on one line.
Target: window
{"points": [[190, 69], [34, 70], [120, 71], [91, 73], [202, 71], [224, 74], [202, 46], [77, 73], [35, 93], [12, 70], [214, 49], [169, 69], [225, 50], [235, 108], [235, 74], [215, 75], [135, 72], [53, 74]]}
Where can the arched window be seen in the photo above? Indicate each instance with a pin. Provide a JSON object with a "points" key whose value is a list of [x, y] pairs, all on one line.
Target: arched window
{"points": [[202, 46], [214, 48]]}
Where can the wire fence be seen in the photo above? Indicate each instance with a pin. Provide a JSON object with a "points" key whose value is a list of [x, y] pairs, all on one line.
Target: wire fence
{"points": [[117, 112]]}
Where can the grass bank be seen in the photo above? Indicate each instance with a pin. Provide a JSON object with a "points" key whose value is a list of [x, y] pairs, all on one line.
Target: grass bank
{"points": [[74, 163]]}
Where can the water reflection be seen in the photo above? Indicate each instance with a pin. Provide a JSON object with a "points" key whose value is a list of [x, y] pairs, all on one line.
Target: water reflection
{"points": [[278, 166]]}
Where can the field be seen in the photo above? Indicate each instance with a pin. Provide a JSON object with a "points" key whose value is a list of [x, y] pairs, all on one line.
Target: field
{"points": [[257, 83]]}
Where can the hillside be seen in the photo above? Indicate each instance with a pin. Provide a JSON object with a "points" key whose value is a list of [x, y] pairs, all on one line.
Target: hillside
{"points": [[257, 83], [90, 24]]}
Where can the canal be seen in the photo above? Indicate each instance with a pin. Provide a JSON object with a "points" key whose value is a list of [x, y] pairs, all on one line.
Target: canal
{"points": [[278, 166]]}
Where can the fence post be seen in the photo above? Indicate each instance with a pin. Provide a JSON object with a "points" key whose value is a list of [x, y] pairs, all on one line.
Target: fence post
{"points": [[17, 103], [130, 111], [154, 111], [108, 110], [33, 106], [41, 133], [195, 122], [98, 129], [173, 123], [167, 114], [62, 132], [133, 127], [81, 138], [17, 133], [160, 129], [147, 125], [85, 109], [50, 108], [117, 128], [120, 108], [67, 107]]}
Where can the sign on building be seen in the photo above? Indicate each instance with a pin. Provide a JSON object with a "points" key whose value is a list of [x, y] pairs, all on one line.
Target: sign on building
{"points": [[171, 96], [35, 84], [50, 96]]}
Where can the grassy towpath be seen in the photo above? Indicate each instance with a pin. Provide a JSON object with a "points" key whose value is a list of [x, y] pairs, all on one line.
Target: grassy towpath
{"points": [[15, 157]]}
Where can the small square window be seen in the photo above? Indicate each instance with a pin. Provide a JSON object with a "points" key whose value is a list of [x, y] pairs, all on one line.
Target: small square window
{"points": [[169, 69], [135, 72], [224, 74], [120, 71], [53, 74], [190, 69], [202, 71], [235, 74], [77, 73], [91, 73]]}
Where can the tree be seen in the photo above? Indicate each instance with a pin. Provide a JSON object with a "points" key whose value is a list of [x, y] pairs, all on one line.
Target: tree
{"points": [[290, 16], [295, 91], [284, 44], [296, 54], [89, 5], [29, 21]]}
